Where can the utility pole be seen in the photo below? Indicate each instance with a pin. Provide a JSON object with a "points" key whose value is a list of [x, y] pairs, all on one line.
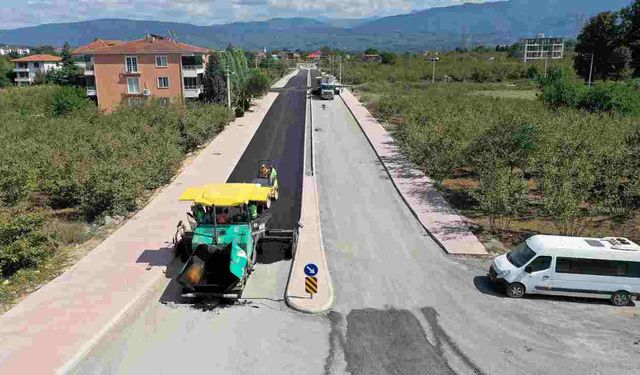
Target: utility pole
{"points": [[340, 79], [433, 73], [591, 70]]}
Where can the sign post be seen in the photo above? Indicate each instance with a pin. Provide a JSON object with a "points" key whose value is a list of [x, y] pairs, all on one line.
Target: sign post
{"points": [[311, 281]]}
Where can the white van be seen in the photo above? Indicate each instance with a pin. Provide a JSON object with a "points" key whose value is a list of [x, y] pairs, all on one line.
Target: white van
{"points": [[571, 266]]}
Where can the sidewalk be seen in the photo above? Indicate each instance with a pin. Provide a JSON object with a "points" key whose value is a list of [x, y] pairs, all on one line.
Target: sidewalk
{"points": [[56, 325], [427, 204]]}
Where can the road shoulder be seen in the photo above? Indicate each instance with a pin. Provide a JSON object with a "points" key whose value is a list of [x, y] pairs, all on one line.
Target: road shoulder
{"points": [[441, 221]]}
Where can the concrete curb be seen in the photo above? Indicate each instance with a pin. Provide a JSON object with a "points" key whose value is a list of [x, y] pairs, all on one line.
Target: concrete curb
{"points": [[310, 250], [434, 220]]}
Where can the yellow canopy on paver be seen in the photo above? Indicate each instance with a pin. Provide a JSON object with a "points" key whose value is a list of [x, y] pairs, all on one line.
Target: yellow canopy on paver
{"points": [[224, 194]]}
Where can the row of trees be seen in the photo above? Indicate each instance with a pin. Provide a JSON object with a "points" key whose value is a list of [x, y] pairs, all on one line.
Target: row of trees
{"points": [[610, 41], [231, 67]]}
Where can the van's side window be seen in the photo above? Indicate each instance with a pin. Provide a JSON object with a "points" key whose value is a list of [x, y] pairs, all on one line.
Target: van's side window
{"points": [[541, 263], [598, 267]]}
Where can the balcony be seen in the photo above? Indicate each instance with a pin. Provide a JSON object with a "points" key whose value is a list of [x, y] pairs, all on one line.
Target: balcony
{"points": [[91, 91], [129, 71], [192, 70], [192, 91], [88, 70], [23, 79], [21, 70]]}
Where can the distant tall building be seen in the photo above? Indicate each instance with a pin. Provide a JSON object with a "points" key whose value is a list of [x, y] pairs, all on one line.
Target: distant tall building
{"points": [[541, 48]]}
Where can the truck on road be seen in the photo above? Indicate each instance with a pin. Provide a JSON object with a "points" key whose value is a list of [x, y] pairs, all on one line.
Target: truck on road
{"points": [[329, 87]]}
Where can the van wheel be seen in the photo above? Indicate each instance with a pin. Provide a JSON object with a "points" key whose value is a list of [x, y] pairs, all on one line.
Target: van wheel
{"points": [[621, 298], [515, 290]]}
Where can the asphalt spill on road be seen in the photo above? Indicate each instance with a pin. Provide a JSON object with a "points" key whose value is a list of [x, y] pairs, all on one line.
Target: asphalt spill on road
{"points": [[392, 341]]}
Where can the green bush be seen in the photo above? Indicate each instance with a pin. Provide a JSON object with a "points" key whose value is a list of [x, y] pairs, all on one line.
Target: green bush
{"points": [[66, 99], [23, 244], [621, 98], [561, 87]]}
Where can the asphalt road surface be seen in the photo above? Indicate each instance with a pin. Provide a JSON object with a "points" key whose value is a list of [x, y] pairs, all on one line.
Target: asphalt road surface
{"points": [[402, 305], [405, 307]]}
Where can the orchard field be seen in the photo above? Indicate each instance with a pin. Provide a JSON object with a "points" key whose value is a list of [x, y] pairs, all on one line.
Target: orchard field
{"points": [[66, 168], [510, 161]]}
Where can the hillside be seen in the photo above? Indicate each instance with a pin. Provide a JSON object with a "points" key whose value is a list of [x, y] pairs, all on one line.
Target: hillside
{"points": [[510, 19], [435, 28]]}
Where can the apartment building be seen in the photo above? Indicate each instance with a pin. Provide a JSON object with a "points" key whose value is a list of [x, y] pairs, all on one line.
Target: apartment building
{"points": [[28, 67], [132, 71]]}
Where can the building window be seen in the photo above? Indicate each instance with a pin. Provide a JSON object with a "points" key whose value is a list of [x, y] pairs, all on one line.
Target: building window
{"points": [[135, 101], [163, 82], [131, 64], [190, 83], [161, 62], [133, 85], [36, 64]]}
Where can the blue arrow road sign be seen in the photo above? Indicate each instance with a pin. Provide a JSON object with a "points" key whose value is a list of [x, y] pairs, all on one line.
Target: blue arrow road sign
{"points": [[310, 269]]}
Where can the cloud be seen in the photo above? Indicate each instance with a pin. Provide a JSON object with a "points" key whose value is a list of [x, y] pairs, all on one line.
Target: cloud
{"points": [[202, 12]]}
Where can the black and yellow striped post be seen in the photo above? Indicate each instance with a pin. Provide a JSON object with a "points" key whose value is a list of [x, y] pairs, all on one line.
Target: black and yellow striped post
{"points": [[311, 285]]}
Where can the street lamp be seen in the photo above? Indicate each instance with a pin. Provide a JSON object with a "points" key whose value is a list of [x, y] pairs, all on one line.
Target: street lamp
{"points": [[229, 87]]}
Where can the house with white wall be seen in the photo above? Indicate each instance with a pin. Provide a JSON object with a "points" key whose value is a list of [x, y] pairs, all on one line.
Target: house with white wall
{"points": [[28, 67]]}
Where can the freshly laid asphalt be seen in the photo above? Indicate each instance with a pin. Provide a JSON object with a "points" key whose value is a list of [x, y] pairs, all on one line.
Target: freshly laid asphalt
{"points": [[280, 137], [402, 305]]}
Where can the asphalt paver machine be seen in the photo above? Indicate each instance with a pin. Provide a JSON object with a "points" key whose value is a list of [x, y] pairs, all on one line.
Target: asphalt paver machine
{"points": [[219, 242]]}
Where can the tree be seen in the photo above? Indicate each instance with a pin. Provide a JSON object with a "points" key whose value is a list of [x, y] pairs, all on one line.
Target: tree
{"points": [[45, 50], [258, 83], [6, 69], [599, 39], [630, 30], [214, 81], [67, 60], [567, 186], [501, 195], [621, 60], [561, 87], [371, 51], [389, 58]]}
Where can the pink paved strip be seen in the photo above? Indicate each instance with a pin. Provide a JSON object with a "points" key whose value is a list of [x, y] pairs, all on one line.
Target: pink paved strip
{"points": [[434, 213], [56, 325]]}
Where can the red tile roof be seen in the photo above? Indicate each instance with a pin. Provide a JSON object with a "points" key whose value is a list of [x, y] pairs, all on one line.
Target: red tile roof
{"points": [[149, 44], [96, 44], [38, 58]]}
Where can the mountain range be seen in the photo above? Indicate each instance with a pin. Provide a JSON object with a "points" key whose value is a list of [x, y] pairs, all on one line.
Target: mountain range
{"points": [[469, 24]]}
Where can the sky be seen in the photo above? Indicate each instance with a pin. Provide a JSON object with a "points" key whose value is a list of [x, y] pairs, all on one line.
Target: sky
{"points": [[20, 13]]}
